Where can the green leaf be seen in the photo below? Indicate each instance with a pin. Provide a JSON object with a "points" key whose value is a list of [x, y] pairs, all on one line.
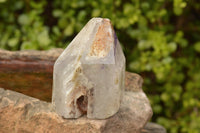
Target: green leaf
{"points": [[197, 47], [165, 97], [43, 38], [178, 6], [23, 19], [2, 1], [13, 42], [57, 13], [157, 109], [172, 46], [28, 45], [96, 13], [62, 23], [69, 30]]}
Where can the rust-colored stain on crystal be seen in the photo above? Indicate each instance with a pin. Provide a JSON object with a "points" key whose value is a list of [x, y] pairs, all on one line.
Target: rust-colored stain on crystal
{"points": [[103, 40]]}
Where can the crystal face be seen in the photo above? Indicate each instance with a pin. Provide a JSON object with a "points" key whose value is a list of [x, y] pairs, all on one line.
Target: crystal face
{"points": [[89, 75]]}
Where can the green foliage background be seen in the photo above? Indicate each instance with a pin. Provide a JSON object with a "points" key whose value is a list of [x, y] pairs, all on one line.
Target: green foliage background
{"points": [[160, 39]]}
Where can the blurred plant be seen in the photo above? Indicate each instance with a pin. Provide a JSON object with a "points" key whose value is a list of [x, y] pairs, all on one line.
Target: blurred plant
{"points": [[160, 40]]}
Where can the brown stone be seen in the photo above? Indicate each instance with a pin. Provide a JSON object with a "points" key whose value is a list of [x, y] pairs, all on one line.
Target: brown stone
{"points": [[153, 128], [133, 82], [30, 72], [21, 113], [30, 55]]}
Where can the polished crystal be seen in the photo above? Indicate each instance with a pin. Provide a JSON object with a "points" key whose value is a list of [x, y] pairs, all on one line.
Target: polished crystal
{"points": [[89, 75]]}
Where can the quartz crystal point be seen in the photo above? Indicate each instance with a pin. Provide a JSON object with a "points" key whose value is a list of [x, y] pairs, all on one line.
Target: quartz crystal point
{"points": [[89, 75]]}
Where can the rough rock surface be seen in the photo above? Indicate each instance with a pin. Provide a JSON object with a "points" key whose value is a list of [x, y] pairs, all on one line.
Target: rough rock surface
{"points": [[27, 55], [153, 128], [20, 113], [28, 60], [89, 75]]}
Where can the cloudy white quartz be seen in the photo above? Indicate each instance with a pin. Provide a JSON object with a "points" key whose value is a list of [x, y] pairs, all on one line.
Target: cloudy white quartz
{"points": [[89, 75]]}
